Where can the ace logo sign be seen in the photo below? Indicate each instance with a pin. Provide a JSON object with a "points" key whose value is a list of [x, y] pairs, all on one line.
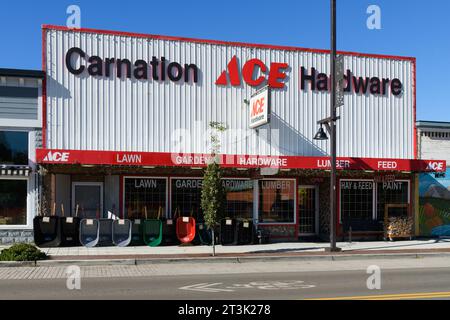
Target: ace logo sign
{"points": [[259, 108], [57, 157], [436, 166]]}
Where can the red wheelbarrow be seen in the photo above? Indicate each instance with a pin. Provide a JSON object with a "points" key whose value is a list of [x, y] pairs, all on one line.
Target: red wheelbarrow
{"points": [[185, 229]]}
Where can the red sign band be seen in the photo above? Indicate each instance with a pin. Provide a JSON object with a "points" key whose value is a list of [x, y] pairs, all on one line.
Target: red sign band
{"points": [[47, 156]]}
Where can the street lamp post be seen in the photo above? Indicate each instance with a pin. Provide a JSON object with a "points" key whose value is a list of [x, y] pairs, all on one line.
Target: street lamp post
{"points": [[330, 124], [333, 119]]}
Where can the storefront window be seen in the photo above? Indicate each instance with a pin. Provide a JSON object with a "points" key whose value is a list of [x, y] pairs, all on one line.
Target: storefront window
{"points": [[88, 197], [13, 202], [239, 203], [276, 201], [145, 195], [186, 198], [13, 148], [357, 200], [392, 192]]}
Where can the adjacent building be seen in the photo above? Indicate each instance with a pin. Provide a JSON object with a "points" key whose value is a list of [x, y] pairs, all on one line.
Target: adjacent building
{"points": [[20, 134], [434, 191]]}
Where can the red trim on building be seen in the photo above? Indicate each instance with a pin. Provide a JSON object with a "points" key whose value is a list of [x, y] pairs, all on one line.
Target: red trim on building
{"points": [[219, 42], [121, 158]]}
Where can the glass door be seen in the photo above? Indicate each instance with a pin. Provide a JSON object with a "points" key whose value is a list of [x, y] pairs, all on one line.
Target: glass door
{"points": [[88, 196], [308, 210]]}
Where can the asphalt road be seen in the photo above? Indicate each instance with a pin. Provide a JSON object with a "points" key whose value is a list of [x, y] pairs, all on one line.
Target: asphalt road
{"points": [[419, 283]]}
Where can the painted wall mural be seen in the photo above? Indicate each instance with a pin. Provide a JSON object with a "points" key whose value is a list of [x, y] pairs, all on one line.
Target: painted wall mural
{"points": [[434, 214]]}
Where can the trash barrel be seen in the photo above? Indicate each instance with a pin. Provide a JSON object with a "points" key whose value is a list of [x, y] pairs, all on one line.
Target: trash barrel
{"points": [[70, 231], [89, 232], [122, 232], [228, 234], [47, 231]]}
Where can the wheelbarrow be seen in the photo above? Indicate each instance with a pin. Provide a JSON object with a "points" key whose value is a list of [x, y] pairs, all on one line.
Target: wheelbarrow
{"points": [[89, 232], [169, 230], [152, 230], [96, 232], [70, 229], [228, 234], [47, 230], [136, 232], [122, 232], [185, 229]]}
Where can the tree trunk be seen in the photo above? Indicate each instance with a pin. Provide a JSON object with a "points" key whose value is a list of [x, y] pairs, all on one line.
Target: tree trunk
{"points": [[213, 243]]}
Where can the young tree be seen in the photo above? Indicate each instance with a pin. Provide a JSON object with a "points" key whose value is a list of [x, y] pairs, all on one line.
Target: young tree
{"points": [[213, 192]]}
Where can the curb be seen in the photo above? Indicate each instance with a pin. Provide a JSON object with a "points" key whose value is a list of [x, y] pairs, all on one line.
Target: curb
{"points": [[8, 264], [96, 262], [242, 259]]}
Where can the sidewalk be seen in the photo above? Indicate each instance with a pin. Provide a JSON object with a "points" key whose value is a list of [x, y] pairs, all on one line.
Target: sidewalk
{"points": [[144, 254], [268, 249]]}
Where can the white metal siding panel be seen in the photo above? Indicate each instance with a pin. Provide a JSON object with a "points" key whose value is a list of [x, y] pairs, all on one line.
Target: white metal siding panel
{"points": [[88, 113], [434, 147]]}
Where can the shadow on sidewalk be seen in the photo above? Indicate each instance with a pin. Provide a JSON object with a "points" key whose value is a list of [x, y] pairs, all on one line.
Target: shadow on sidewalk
{"points": [[426, 242], [286, 250]]}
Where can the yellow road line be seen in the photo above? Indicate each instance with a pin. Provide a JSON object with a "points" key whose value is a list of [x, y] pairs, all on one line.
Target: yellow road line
{"points": [[425, 295]]}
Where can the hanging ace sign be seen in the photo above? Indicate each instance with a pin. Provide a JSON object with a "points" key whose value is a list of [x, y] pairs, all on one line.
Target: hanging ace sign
{"points": [[260, 108]]}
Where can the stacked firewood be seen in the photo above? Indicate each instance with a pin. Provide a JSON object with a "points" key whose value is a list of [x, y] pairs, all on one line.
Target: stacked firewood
{"points": [[399, 227]]}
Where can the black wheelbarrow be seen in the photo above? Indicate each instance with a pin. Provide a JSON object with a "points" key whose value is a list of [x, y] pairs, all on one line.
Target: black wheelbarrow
{"points": [[47, 231]]}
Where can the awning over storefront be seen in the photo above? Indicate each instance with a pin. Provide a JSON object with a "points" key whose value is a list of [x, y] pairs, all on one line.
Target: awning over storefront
{"points": [[148, 159]]}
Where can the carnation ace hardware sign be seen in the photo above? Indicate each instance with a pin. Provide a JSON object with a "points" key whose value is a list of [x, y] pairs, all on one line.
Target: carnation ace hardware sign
{"points": [[260, 108]]}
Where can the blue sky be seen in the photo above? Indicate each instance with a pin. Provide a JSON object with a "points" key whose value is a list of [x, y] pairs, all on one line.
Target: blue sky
{"points": [[409, 27]]}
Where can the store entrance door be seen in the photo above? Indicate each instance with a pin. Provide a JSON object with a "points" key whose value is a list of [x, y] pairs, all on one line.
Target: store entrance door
{"points": [[88, 196], [308, 208]]}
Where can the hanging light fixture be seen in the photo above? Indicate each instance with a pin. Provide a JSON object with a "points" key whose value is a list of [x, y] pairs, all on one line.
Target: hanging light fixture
{"points": [[321, 135]]}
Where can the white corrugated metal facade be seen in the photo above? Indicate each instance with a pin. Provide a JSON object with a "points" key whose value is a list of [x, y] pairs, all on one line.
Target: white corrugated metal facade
{"points": [[91, 113]]}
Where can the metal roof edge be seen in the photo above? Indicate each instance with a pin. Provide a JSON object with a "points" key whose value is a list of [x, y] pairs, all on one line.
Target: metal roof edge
{"points": [[22, 73]]}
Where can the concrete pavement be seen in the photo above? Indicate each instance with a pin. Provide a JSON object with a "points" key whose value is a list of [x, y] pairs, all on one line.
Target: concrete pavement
{"points": [[274, 248], [425, 278], [198, 268], [269, 252]]}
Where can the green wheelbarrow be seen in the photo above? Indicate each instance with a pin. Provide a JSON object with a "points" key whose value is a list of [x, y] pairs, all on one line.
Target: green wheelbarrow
{"points": [[152, 230]]}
